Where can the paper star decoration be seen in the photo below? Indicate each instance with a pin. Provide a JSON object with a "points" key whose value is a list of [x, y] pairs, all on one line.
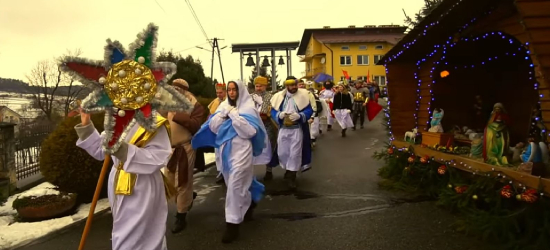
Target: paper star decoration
{"points": [[129, 86]]}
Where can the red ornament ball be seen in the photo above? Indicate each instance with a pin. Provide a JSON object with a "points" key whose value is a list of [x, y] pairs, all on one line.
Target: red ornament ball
{"points": [[461, 189], [442, 170], [424, 159], [411, 159], [506, 192], [529, 196], [390, 151]]}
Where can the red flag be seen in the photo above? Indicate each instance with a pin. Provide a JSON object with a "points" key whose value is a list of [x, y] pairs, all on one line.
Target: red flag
{"points": [[345, 74], [373, 108]]}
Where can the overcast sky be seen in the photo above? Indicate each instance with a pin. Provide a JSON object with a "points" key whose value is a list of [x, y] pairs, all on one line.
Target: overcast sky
{"points": [[35, 30]]}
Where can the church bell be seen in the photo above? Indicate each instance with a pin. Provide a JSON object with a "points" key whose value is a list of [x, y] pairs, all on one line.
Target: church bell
{"points": [[265, 62], [281, 61], [250, 61]]}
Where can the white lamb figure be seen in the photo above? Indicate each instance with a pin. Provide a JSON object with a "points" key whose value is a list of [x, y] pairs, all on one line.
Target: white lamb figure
{"points": [[467, 131], [411, 134]]}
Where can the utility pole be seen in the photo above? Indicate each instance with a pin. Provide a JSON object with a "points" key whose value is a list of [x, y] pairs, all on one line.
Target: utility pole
{"points": [[216, 47]]}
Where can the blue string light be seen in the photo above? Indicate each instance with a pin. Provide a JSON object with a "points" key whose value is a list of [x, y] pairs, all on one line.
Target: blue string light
{"points": [[523, 51], [387, 109], [419, 84]]}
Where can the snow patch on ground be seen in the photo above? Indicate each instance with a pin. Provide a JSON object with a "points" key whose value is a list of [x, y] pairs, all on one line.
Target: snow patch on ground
{"points": [[14, 234], [209, 158]]}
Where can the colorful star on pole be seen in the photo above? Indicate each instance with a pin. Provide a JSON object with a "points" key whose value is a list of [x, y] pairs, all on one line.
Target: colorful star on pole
{"points": [[129, 86]]}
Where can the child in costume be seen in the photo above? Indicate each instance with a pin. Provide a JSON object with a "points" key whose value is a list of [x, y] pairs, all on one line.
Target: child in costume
{"points": [[130, 87]]}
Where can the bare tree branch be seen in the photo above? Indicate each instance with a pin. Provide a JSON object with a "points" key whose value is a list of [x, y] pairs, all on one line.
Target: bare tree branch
{"points": [[47, 84]]}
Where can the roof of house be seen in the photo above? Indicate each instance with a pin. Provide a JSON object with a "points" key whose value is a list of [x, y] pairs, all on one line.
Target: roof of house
{"points": [[358, 38], [253, 47], [385, 33], [6, 107], [443, 21]]}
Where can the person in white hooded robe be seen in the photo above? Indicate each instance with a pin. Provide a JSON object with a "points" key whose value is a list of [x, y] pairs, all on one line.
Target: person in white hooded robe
{"points": [[239, 136]]}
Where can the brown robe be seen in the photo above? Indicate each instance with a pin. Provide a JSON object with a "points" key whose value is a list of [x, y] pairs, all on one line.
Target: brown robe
{"points": [[184, 126]]}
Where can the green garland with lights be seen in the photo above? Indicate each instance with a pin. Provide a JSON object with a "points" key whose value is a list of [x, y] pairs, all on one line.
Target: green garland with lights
{"points": [[494, 207]]}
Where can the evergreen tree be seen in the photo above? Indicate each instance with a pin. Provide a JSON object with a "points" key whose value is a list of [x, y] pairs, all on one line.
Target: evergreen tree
{"points": [[429, 5], [192, 71]]}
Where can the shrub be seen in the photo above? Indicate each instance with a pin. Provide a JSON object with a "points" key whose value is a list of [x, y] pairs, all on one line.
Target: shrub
{"points": [[37, 201], [67, 166]]}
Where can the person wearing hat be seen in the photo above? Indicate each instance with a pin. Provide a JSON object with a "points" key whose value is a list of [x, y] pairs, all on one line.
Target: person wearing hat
{"points": [[291, 108], [261, 98], [183, 126]]}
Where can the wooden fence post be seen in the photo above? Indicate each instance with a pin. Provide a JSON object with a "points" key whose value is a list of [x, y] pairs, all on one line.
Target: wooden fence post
{"points": [[8, 179]]}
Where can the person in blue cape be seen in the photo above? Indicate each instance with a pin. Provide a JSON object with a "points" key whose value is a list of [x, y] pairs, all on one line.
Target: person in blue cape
{"points": [[291, 109], [237, 133]]}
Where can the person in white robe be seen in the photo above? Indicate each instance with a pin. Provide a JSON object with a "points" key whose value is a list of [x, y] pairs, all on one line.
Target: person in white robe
{"points": [[239, 136], [139, 218], [262, 99], [326, 95], [315, 105], [291, 109], [342, 108]]}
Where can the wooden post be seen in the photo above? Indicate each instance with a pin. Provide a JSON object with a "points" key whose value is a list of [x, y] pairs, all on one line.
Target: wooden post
{"points": [[94, 201]]}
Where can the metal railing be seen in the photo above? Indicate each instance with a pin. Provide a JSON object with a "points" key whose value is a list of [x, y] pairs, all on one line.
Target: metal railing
{"points": [[27, 150]]}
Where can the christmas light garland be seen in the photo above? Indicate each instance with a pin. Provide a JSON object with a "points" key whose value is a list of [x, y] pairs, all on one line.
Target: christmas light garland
{"points": [[387, 110], [515, 186]]}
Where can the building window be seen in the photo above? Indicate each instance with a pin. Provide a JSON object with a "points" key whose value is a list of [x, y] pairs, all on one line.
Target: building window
{"points": [[379, 47], [362, 47], [377, 58], [345, 47], [362, 60], [381, 80], [363, 78], [345, 60], [342, 78]]}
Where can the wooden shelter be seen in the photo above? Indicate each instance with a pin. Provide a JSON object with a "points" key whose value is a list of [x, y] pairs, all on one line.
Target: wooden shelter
{"points": [[497, 49]]}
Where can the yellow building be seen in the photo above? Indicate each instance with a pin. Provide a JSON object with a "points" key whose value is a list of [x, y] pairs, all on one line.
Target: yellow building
{"points": [[353, 49]]}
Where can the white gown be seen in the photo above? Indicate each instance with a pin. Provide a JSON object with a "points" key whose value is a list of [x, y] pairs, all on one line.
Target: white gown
{"points": [[139, 220], [290, 143], [325, 95], [239, 178]]}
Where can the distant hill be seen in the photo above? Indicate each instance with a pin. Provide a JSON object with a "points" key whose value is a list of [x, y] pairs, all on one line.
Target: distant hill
{"points": [[20, 87]]}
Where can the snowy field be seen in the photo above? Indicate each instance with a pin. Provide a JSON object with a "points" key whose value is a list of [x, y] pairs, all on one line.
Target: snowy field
{"points": [[15, 234]]}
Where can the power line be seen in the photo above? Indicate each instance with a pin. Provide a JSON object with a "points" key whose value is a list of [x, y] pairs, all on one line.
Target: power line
{"points": [[198, 21], [190, 48], [161, 7]]}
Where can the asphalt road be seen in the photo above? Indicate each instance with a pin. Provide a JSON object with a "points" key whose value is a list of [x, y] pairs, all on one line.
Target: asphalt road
{"points": [[338, 206]]}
